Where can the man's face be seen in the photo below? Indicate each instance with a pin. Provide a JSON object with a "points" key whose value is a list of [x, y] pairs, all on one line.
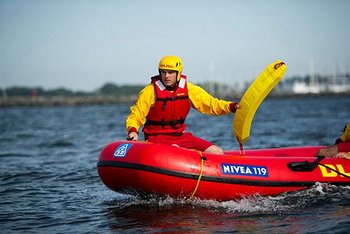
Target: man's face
{"points": [[168, 77]]}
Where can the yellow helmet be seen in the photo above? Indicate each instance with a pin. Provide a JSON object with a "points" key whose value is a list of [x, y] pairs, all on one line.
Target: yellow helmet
{"points": [[172, 63]]}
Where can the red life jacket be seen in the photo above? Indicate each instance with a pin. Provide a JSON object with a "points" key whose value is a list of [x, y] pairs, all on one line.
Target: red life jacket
{"points": [[171, 108]]}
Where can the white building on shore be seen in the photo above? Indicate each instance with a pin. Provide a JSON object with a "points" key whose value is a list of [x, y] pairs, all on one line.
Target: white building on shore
{"points": [[315, 85]]}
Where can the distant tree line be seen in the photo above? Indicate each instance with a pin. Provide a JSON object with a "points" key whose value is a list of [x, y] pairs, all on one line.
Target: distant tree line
{"points": [[108, 89], [111, 89]]}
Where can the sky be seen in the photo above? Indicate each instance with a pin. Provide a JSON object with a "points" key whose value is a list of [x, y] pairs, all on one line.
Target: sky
{"points": [[83, 44]]}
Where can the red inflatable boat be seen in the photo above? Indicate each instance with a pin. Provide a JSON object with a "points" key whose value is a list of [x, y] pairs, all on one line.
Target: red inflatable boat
{"points": [[130, 167]]}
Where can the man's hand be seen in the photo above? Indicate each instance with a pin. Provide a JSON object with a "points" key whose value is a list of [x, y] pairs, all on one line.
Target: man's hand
{"points": [[328, 151], [132, 136], [234, 106], [343, 155]]}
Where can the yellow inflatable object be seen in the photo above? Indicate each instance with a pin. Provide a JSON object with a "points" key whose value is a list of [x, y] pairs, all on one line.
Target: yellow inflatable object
{"points": [[254, 96]]}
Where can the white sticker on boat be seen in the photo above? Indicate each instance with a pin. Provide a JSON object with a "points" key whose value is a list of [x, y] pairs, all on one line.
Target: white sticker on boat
{"points": [[122, 150], [246, 170]]}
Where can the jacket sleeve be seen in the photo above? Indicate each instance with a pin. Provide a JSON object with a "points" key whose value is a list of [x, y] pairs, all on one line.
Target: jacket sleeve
{"points": [[344, 147], [206, 103], [345, 137], [140, 109]]}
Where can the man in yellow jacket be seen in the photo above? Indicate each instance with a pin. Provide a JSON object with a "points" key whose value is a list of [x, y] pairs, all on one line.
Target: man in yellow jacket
{"points": [[341, 148], [163, 105]]}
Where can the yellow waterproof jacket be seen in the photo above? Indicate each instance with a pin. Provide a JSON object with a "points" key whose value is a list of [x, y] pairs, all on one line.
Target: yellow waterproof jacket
{"points": [[346, 135], [199, 98]]}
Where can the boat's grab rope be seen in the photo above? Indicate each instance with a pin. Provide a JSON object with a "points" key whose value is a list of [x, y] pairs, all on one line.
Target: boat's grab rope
{"points": [[310, 166], [200, 173]]}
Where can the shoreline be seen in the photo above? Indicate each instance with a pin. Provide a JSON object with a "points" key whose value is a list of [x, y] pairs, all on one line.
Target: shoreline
{"points": [[27, 101], [23, 101]]}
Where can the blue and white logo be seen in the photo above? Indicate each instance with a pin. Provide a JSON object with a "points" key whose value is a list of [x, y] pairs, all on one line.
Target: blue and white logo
{"points": [[122, 150], [245, 170]]}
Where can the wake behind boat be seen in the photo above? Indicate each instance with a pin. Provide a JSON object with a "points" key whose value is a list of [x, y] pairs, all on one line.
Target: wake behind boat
{"points": [[144, 167]]}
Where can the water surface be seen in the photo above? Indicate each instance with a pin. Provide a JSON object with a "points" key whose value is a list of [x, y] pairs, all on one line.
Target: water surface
{"points": [[49, 181]]}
